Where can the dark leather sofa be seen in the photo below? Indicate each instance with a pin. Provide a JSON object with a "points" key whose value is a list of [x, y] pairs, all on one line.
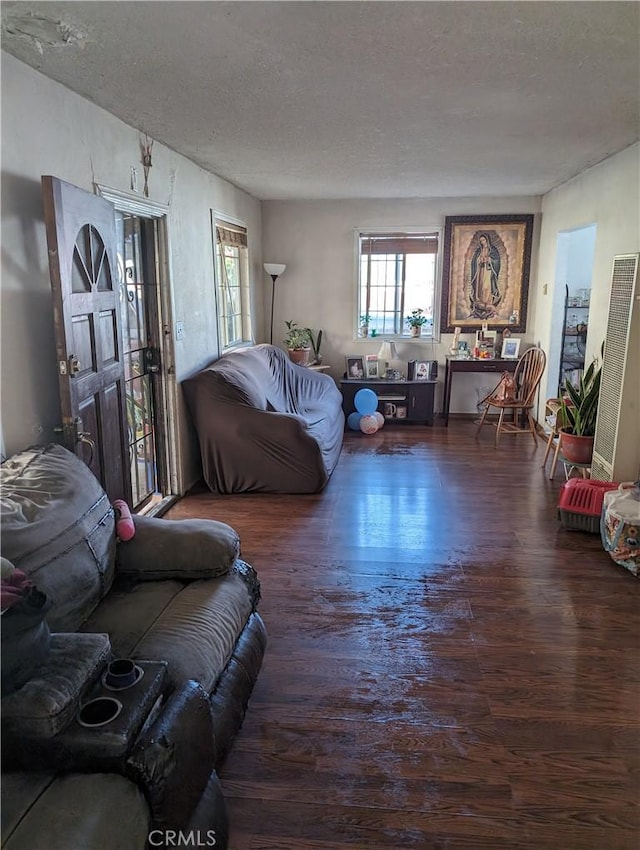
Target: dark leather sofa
{"points": [[177, 600], [265, 424]]}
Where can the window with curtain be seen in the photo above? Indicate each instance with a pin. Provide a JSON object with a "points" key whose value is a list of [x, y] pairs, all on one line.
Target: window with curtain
{"points": [[397, 276], [232, 283]]}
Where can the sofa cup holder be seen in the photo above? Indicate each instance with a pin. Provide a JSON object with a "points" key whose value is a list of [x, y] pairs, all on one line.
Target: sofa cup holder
{"points": [[99, 712], [121, 673]]}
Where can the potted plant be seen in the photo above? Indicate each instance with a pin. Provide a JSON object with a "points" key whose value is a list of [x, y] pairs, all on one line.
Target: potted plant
{"points": [[365, 320], [297, 342], [316, 342], [416, 320], [578, 412]]}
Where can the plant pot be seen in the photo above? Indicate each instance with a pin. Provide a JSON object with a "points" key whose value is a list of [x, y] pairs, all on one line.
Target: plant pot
{"points": [[416, 330], [576, 449], [301, 356], [364, 330]]}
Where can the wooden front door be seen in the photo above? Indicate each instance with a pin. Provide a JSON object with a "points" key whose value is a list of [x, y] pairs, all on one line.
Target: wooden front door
{"points": [[81, 238]]}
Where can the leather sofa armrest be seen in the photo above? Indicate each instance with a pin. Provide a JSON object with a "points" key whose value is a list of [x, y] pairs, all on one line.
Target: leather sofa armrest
{"points": [[177, 549]]}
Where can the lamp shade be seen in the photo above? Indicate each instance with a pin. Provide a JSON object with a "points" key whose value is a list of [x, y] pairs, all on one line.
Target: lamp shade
{"points": [[388, 351], [274, 269]]}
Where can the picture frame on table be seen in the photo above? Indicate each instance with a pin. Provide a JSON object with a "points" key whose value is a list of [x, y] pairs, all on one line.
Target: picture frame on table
{"points": [[371, 366], [355, 368], [423, 370], [510, 348], [485, 273]]}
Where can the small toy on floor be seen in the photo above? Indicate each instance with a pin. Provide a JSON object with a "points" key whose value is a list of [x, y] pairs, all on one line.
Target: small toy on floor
{"points": [[125, 528]]}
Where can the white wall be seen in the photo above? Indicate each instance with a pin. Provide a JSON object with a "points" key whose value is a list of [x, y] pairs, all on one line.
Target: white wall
{"points": [[47, 129], [607, 195], [316, 239]]}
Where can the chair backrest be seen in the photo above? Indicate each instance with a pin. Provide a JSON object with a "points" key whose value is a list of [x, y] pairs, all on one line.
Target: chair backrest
{"points": [[529, 373]]}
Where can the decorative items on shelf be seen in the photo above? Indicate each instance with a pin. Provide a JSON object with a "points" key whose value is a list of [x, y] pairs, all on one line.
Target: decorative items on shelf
{"points": [[510, 348], [574, 337], [354, 367], [485, 346], [455, 343], [371, 366], [386, 353]]}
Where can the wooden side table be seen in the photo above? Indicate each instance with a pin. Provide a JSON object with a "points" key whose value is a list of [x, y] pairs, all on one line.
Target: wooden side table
{"points": [[471, 364]]}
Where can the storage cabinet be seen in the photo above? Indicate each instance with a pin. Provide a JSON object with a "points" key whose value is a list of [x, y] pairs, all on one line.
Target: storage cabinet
{"points": [[398, 401], [574, 338]]}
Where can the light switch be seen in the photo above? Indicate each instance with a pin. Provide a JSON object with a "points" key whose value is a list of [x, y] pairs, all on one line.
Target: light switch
{"points": [[179, 330]]}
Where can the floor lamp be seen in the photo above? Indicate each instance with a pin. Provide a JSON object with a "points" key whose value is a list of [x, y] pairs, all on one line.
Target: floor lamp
{"points": [[274, 270]]}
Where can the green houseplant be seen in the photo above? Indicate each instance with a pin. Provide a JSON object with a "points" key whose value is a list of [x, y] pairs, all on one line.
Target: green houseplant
{"points": [[578, 414], [365, 320], [316, 342], [416, 320], [297, 343]]}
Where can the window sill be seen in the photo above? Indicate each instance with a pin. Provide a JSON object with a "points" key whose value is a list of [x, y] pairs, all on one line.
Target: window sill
{"points": [[392, 338], [235, 345]]}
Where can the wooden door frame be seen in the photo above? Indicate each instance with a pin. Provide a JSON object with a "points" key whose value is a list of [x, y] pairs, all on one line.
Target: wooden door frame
{"points": [[127, 202]]}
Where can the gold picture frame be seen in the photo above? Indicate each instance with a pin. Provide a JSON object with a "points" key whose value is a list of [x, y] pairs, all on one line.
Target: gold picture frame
{"points": [[485, 277]]}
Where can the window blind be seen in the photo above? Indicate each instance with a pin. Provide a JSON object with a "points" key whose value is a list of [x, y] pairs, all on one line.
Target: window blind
{"points": [[231, 234], [399, 243]]}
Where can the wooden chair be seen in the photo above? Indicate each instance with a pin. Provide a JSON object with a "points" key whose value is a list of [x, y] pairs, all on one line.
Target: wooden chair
{"points": [[527, 375], [552, 409]]}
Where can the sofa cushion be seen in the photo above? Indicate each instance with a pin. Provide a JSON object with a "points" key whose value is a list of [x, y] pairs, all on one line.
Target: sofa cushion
{"points": [[177, 549], [47, 703], [73, 812], [192, 627], [58, 527]]}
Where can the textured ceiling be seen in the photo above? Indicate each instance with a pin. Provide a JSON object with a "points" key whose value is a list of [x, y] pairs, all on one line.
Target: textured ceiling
{"points": [[355, 99]]}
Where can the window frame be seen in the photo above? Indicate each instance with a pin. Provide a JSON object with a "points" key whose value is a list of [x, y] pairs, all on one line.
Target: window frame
{"points": [[434, 333], [219, 219]]}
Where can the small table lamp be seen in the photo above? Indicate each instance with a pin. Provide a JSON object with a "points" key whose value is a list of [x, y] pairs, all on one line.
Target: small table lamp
{"points": [[387, 352]]}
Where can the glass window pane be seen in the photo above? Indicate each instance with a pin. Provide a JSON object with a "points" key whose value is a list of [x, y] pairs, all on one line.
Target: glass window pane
{"points": [[392, 285], [233, 302]]}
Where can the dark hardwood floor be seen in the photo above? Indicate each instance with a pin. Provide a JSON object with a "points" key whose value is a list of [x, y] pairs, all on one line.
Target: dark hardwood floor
{"points": [[447, 666]]}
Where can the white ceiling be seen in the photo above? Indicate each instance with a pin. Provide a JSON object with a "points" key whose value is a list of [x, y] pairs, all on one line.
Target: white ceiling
{"points": [[355, 99]]}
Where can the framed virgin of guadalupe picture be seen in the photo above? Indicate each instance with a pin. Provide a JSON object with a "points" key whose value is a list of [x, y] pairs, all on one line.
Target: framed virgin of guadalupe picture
{"points": [[485, 272]]}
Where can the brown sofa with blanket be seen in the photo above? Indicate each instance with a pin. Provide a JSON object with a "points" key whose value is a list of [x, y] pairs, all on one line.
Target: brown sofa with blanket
{"points": [[265, 423]]}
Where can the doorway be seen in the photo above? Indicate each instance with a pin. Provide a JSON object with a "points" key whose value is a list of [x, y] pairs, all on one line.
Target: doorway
{"points": [[575, 251], [144, 300]]}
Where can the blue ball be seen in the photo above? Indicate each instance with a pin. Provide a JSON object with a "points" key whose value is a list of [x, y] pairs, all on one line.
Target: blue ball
{"points": [[353, 421], [366, 402]]}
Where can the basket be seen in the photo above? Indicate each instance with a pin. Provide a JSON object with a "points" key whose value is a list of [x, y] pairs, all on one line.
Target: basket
{"points": [[580, 503]]}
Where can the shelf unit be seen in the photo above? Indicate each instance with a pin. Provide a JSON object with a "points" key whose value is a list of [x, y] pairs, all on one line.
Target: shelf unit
{"points": [[574, 337], [416, 397]]}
